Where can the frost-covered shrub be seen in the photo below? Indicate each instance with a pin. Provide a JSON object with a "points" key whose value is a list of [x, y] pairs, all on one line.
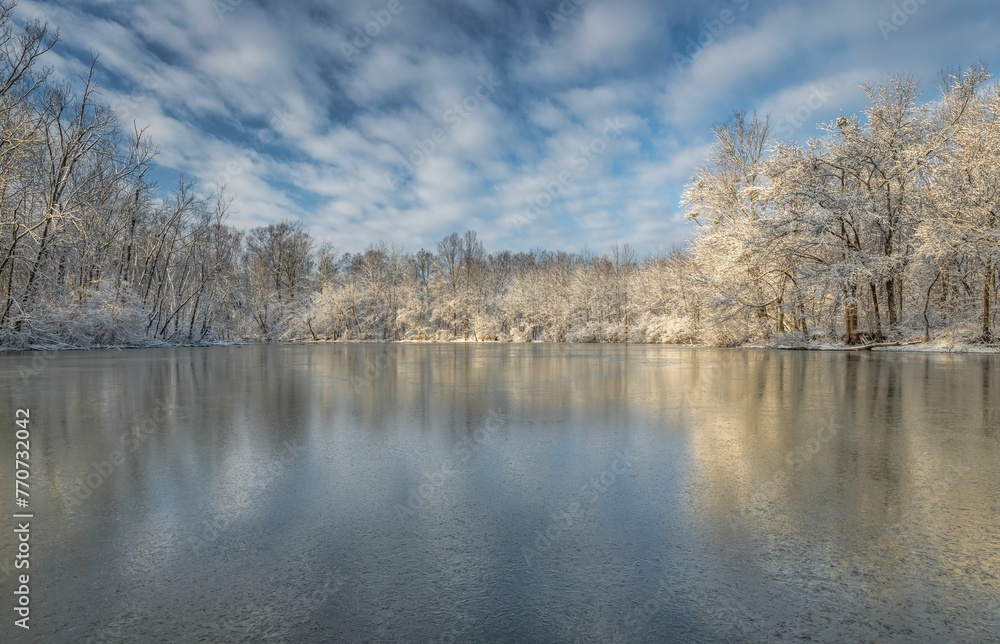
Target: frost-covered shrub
{"points": [[102, 319], [590, 332], [663, 329]]}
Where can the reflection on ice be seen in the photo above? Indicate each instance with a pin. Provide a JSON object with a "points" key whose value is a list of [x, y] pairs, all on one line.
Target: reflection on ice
{"points": [[548, 493]]}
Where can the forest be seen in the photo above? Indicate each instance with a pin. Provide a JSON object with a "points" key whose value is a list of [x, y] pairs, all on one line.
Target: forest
{"points": [[883, 228]]}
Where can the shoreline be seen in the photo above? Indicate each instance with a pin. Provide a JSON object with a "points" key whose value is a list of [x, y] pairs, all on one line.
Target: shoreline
{"points": [[884, 347]]}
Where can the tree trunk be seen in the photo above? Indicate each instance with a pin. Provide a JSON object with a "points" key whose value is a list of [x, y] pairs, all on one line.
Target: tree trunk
{"points": [[987, 284], [35, 265], [927, 304], [851, 316], [875, 310], [890, 292]]}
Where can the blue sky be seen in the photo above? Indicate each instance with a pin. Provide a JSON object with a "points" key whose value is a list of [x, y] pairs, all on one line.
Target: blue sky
{"points": [[538, 124]]}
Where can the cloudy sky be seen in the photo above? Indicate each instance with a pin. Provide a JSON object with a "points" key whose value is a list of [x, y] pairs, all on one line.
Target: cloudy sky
{"points": [[536, 123]]}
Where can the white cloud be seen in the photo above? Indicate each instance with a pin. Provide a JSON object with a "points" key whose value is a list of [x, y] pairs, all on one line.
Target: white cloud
{"points": [[596, 36], [345, 124]]}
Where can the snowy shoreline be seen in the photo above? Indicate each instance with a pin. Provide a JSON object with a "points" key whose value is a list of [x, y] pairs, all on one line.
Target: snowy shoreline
{"points": [[902, 348], [922, 347]]}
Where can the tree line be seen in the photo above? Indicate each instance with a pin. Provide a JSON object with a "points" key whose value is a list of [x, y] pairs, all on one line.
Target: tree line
{"points": [[883, 228]]}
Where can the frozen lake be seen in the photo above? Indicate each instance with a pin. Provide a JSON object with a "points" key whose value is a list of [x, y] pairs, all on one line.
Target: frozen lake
{"points": [[509, 493]]}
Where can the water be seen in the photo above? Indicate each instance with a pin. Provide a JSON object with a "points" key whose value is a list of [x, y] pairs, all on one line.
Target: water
{"points": [[515, 493]]}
